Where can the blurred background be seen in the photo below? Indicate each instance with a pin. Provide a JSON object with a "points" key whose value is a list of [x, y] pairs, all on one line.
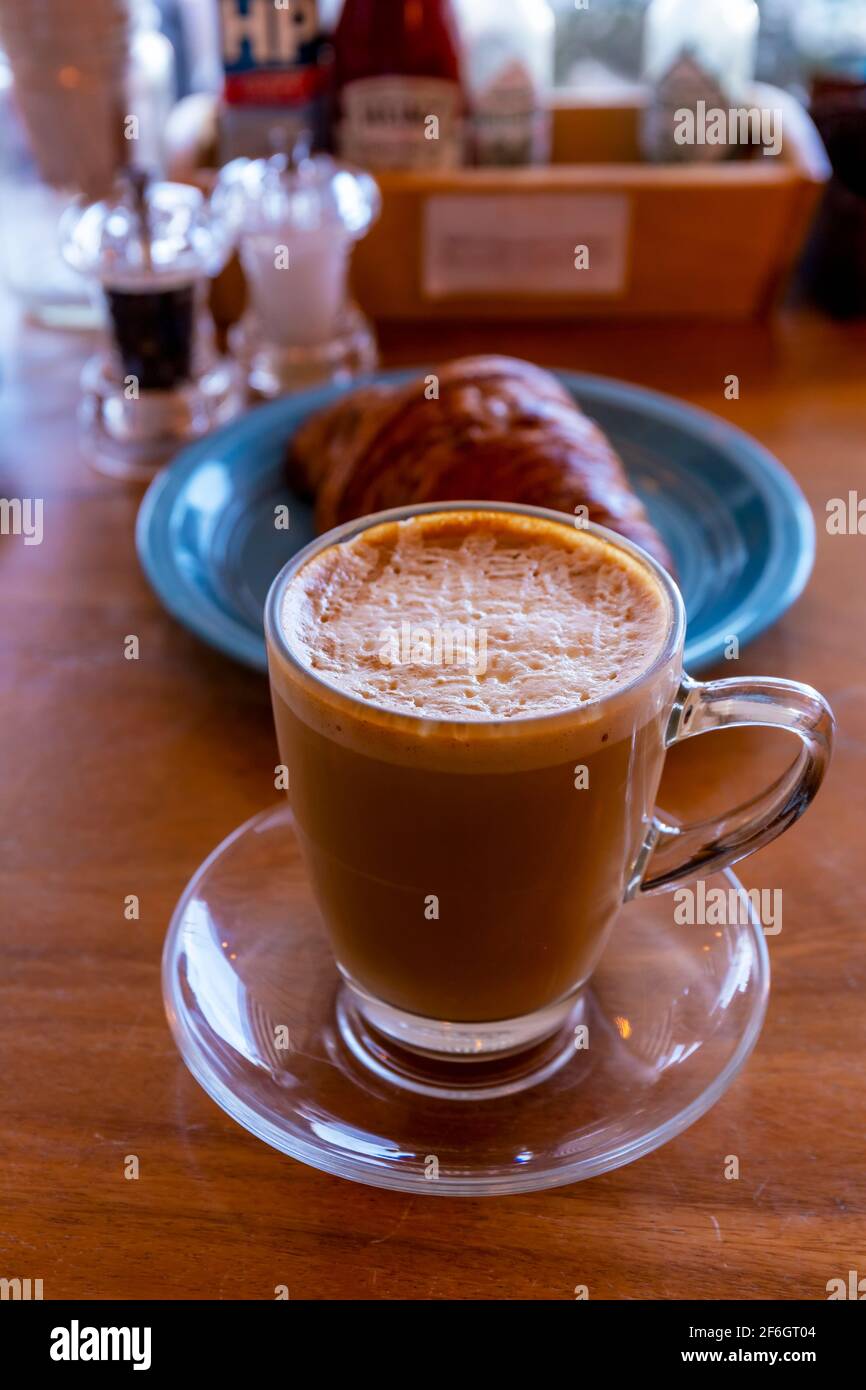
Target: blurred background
{"points": [[206, 86]]}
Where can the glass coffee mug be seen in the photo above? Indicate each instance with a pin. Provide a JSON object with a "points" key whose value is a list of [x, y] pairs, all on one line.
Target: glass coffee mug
{"points": [[469, 873]]}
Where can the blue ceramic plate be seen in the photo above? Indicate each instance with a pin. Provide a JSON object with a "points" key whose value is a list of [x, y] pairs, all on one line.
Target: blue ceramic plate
{"points": [[736, 523]]}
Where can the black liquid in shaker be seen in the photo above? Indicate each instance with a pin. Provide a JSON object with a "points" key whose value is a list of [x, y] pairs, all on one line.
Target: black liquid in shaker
{"points": [[154, 332]]}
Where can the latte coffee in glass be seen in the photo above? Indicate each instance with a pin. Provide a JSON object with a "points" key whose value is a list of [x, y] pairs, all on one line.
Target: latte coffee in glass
{"points": [[474, 730]]}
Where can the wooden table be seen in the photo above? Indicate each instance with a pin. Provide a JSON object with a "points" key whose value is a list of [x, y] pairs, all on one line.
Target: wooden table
{"points": [[119, 776]]}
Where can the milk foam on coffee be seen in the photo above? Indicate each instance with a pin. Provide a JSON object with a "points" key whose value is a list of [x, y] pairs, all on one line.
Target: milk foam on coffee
{"points": [[475, 616]]}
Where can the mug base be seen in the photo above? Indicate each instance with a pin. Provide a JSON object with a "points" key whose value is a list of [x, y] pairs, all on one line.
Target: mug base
{"points": [[293, 1053], [458, 1061]]}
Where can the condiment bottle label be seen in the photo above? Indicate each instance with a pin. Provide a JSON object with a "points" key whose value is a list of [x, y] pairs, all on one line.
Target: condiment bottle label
{"points": [[401, 123]]}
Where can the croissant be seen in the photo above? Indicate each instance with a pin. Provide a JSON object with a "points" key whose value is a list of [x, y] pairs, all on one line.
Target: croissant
{"points": [[487, 429]]}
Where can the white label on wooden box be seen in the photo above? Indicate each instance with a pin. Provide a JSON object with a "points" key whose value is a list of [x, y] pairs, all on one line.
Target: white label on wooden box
{"points": [[523, 244]]}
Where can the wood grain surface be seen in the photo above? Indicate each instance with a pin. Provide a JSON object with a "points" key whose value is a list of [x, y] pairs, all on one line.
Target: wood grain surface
{"points": [[119, 776]]}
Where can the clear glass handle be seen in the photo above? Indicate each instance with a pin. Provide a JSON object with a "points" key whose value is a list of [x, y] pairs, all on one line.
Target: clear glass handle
{"points": [[672, 854]]}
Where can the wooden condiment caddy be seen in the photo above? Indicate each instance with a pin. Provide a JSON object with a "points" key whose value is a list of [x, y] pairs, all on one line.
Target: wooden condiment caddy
{"points": [[595, 234], [691, 240]]}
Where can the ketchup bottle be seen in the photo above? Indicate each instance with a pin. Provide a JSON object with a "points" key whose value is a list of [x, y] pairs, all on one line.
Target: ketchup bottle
{"points": [[397, 70]]}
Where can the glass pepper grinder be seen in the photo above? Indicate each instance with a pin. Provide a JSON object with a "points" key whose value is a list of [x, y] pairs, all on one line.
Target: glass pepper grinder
{"points": [[158, 381], [296, 218]]}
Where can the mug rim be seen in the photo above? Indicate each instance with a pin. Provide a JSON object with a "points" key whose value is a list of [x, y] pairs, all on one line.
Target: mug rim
{"points": [[277, 641]]}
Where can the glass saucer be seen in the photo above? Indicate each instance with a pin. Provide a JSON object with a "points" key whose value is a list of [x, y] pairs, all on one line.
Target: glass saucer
{"points": [[262, 1021]]}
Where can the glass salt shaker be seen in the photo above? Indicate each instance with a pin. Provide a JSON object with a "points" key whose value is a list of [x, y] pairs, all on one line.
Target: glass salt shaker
{"points": [[158, 380], [296, 218]]}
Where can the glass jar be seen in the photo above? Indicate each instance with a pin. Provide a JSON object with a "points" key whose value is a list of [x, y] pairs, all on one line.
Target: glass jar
{"points": [[67, 95], [508, 74], [695, 53]]}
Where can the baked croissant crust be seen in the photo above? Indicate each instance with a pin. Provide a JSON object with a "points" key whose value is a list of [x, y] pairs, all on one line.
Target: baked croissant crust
{"points": [[500, 430]]}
